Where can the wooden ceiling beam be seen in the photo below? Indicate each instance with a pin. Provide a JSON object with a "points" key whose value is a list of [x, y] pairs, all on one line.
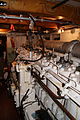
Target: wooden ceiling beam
{"points": [[39, 9]]}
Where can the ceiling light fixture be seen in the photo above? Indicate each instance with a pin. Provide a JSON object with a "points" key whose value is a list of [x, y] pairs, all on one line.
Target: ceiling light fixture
{"points": [[60, 17], [46, 31], [2, 3], [61, 30]]}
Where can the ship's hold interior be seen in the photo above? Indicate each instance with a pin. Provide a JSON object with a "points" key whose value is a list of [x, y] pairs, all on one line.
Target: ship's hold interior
{"points": [[39, 59]]}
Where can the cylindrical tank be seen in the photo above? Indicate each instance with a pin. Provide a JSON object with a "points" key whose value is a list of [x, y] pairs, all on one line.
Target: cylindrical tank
{"points": [[76, 50], [65, 47], [68, 46], [71, 45]]}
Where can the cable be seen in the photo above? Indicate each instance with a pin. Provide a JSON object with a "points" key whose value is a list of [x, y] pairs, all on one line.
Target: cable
{"points": [[30, 41], [24, 97], [29, 104]]}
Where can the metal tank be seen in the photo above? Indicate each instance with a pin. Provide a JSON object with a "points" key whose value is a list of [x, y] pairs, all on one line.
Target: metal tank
{"points": [[76, 50], [71, 45], [65, 47], [58, 46]]}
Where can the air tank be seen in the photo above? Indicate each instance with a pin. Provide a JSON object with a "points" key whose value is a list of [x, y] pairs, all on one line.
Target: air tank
{"points": [[76, 50], [66, 47], [70, 46]]}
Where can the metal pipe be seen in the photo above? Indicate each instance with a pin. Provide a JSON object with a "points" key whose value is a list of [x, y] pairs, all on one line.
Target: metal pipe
{"points": [[45, 87], [35, 19], [59, 78], [74, 100], [58, 87], [68, 78], [14, 17], [54, 65], [53, 96], [74, 89]]}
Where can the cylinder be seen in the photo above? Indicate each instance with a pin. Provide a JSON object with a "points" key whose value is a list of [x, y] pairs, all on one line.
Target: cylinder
{"points": [[58, 46], [76, 50]]}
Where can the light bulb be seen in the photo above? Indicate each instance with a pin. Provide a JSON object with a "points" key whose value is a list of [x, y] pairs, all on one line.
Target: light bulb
{"points": [[59, 31], [62, 30]]}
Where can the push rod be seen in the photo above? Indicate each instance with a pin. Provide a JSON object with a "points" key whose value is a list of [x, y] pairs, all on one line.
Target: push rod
{"points": [[53, 96]]}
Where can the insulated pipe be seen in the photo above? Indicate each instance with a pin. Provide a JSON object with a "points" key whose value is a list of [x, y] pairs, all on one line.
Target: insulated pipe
{"points": [[35, 19], [66, 47], [76, 50], [69, 46], [14, 17], [53, 96]]}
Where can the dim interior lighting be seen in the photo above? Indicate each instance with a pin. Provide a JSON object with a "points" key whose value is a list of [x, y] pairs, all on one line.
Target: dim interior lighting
{"points": [[46, 31], [60, 17], [4, 31], [2, 3], [61, 30]]}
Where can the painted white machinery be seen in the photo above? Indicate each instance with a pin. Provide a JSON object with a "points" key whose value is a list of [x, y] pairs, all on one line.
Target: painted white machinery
{"points": [[54, 84]]}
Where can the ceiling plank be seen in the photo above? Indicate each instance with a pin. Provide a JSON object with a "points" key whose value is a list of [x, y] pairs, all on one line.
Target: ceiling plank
{"points": [[39, 8]]}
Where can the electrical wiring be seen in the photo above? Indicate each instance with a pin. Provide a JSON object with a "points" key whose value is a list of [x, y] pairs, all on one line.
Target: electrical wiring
{"points": [[24, 97], [30, 40], [29, 104], [26, 103]]}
